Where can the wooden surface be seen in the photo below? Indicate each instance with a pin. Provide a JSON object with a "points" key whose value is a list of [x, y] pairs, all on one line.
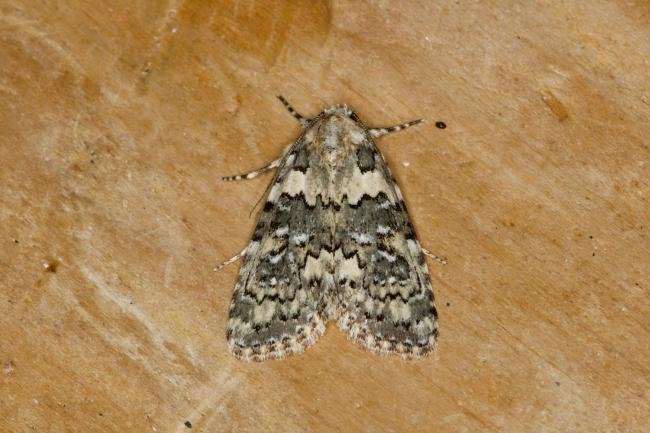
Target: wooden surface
{"points": [[116, 123]]}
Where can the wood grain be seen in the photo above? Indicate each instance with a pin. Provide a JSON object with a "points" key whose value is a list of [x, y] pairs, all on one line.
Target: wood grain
{"points": [[117, 120]]}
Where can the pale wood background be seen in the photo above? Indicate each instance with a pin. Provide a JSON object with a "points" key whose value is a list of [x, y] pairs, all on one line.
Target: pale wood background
{"points": [[116, 123]]}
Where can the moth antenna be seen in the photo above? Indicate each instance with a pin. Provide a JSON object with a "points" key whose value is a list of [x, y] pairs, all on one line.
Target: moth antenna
{"points": [[378, 132], [245, 176], [301, 119]]}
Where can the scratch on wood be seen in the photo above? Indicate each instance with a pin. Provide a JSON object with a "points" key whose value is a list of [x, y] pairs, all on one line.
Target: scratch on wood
{"points": [[161, 40], [127, 306], [556, 106], [209, 402]]}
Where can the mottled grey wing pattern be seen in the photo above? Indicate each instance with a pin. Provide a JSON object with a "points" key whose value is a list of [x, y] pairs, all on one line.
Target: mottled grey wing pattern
{"points": [[385, 294], [333, 241], [280, 296]]}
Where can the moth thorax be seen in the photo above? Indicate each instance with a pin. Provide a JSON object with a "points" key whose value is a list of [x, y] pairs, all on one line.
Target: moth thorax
{"points": [[334, 138]]}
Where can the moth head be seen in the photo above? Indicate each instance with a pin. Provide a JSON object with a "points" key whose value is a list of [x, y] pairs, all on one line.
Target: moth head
{"points": [[339, 117], [340, 111]]}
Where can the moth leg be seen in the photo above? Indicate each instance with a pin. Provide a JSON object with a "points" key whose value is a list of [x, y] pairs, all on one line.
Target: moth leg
{"points": [[255, 173], [231, 260], [378, 132], [441, 260], [303, 122]]}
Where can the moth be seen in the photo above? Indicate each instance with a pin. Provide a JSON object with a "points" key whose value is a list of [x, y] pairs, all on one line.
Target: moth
{"points": [[333, 242]]}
